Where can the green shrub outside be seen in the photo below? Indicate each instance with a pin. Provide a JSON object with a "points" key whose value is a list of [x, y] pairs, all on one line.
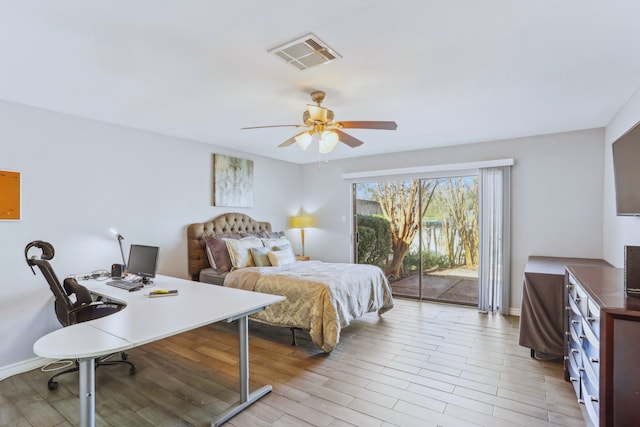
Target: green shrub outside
{"points": [[430, 260], [374, 240]]}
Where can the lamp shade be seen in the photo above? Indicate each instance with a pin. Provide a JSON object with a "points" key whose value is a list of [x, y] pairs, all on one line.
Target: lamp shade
{"points": [[302, 221], [317, 113], [116, 233], [304, 139], [328, 141]]}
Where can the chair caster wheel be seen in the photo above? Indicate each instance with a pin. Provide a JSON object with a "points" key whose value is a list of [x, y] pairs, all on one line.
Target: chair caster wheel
{"points": [[52, 385]]}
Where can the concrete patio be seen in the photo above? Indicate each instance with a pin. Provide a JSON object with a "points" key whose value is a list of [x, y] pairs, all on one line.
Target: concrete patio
{"points": [[457, 286]]}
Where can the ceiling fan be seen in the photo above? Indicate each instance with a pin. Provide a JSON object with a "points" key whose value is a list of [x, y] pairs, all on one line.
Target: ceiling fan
{"points": [[320, 126]]}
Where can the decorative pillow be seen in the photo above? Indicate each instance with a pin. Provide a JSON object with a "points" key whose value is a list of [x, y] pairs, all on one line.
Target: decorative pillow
{"points": [[264, 234], [244, 234], [279, 241], [212, 261], [260, 257], [279, 258], [285, 248], [217, 247], [239, 251]]}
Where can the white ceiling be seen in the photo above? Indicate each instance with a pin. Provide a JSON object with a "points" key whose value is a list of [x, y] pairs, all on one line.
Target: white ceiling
{"points": [[448, 72]]}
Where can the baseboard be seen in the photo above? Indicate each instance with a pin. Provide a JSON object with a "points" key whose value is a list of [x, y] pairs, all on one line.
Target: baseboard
{"points": [[24, 366], [514, 312]]}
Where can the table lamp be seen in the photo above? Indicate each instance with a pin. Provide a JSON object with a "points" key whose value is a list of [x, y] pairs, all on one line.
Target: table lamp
{"points": [[302, 221]]}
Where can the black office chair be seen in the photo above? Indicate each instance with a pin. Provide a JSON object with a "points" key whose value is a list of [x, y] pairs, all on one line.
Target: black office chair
{"points": [[71, 310]]}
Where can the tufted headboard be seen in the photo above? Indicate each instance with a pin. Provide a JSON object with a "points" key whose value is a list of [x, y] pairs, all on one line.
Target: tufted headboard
{"points": [[223, 224]]}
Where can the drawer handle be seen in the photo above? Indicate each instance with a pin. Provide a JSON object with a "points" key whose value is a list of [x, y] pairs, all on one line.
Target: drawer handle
{"points": [[582, 336], [591, 319], [575, 322], [580, 401], [578, 299], [593, 398], [573, 380], [569, 286], [573, 350], [594, 360], [581, 369]]}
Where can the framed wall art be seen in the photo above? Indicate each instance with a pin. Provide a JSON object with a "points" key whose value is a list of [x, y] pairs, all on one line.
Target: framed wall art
{"points": [[232, 181]]}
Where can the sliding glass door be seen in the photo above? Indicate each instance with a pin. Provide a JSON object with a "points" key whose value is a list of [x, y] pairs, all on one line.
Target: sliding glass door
{"points": [[423, 233]]}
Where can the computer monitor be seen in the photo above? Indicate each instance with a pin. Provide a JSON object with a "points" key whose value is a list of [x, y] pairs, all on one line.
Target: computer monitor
{"points": [[143, 261]]}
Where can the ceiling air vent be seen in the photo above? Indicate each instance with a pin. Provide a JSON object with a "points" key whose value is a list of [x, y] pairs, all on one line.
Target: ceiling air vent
{"points": [[305, 52]]}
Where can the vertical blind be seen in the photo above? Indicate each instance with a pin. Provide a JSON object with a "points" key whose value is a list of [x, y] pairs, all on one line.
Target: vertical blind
{"points": [[494, 271]]}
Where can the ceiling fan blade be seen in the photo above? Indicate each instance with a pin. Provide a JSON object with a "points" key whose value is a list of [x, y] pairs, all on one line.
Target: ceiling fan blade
{"points": [[368, 125], [348, 139], [272, 126], [291, 140]]}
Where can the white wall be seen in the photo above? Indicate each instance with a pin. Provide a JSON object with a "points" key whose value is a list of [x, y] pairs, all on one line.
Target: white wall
{"points": [[556, 196], [624, 230], [81, 177]]}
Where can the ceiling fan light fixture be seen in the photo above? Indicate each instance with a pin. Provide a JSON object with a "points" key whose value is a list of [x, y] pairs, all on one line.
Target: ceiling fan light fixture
{"points": [[321, 128], [317, 113], [304, 140], [328, 141]]}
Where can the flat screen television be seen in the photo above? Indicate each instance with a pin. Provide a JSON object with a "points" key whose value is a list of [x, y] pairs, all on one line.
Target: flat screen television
{"points": [[626, 171], [143, 262]]}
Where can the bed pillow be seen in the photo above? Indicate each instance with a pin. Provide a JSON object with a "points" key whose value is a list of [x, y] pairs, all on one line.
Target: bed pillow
{"points": [[278, 258], [240, 251], [260, 257], [217, 252]]}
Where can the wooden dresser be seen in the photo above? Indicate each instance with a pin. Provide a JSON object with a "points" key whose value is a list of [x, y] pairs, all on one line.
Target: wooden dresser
{"points": [[602, 345]]}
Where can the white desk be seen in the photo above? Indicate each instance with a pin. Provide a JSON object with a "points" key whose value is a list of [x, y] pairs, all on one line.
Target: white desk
{"points": [[146, 319]]}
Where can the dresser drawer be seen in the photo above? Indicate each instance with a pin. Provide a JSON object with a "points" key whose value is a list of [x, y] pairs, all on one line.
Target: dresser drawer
{"points": [[593, 317], [571, 286], [591, 370], [575, 331], [573, 308], [575, 353], [581, 299], [590, 400], [589, 335], [574, 376]]}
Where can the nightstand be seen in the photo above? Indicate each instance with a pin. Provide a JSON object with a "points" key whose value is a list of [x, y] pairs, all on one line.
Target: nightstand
{"points": [[303, 258]]}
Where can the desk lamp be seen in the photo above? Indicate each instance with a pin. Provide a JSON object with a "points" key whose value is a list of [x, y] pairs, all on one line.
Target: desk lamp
{"points": [[302, 221], [120, 239]]}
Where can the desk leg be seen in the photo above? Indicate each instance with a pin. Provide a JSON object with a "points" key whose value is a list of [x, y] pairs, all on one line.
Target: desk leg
{"points": [[87, 392], [246, 398]]}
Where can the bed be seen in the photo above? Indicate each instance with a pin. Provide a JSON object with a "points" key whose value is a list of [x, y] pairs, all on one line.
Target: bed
{"points": [[322, 298]]}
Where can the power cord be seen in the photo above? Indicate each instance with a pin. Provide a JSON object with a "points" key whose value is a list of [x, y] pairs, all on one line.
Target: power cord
{"points": [[96, 275]]}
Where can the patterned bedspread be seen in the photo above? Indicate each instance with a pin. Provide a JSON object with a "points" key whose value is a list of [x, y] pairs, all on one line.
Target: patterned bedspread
{"points": [[322, 298]]}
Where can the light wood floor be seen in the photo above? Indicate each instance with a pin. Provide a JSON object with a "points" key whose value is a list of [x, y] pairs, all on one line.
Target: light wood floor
{"points": [[419, 364]]}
